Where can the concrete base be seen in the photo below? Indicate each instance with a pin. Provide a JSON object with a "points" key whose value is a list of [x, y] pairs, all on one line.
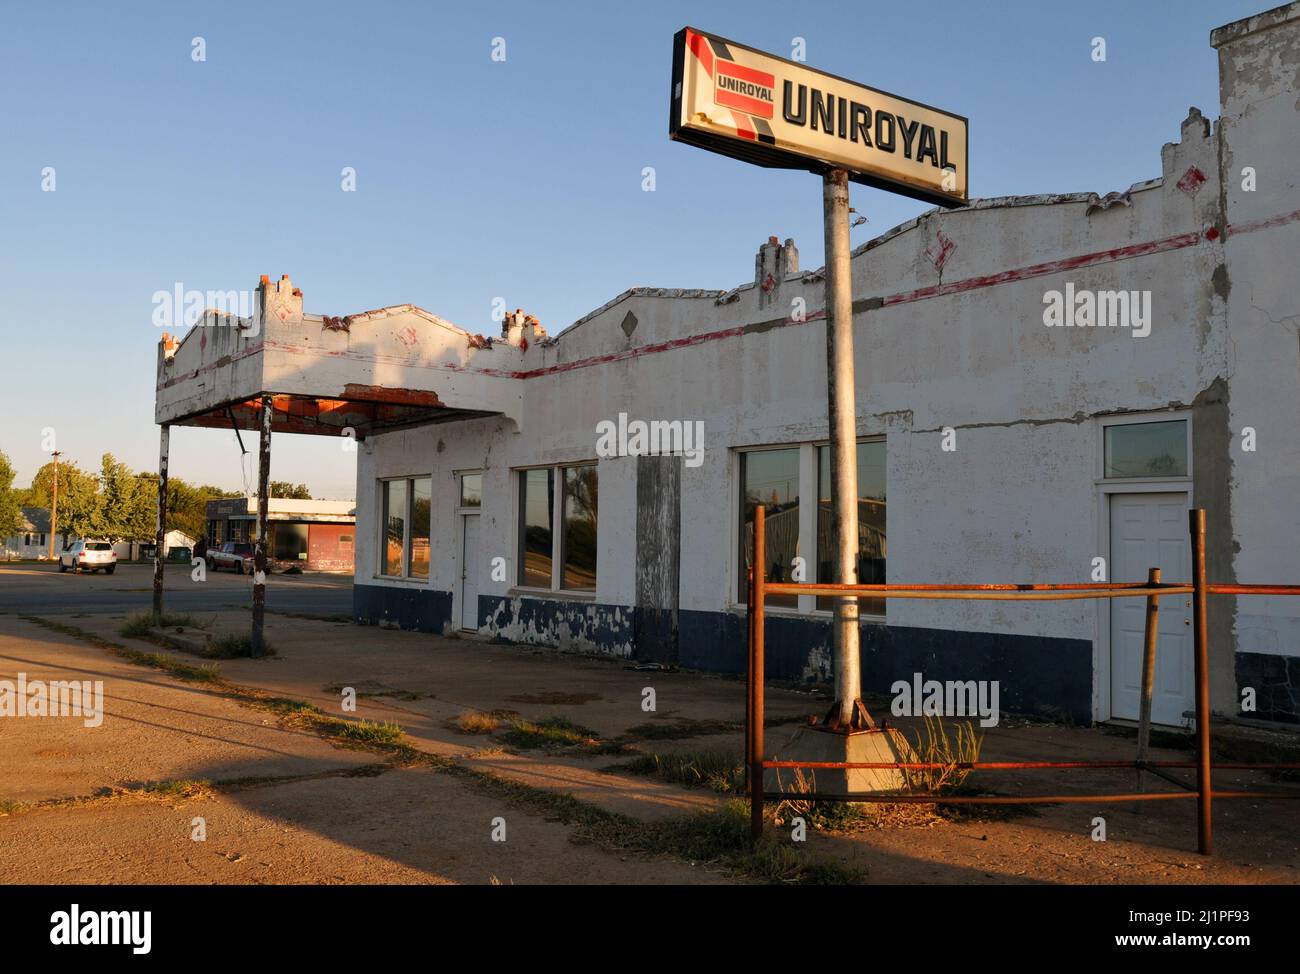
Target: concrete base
{"points": [[817, 744]]}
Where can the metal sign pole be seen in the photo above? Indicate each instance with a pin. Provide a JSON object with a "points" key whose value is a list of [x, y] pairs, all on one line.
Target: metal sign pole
{"points": [[842, 416]]}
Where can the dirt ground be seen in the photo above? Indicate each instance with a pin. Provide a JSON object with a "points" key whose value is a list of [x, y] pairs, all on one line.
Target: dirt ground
{"points": [[281, 803]]}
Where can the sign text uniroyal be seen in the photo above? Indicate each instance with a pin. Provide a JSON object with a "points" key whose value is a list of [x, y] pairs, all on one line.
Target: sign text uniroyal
{"points": [[772, 112]]}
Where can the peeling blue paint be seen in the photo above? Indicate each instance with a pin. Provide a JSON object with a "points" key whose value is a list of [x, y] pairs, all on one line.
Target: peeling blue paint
{"points": [[420, 609], [588, 627]]}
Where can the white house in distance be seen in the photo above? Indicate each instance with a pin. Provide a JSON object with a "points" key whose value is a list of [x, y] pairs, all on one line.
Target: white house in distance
{"points": [[33, 537], [1042, 382]]}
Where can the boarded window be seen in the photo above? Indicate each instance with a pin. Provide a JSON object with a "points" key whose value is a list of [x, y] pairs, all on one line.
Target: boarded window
{"points": [[536, 504], [771, 478], [872, 545], [1147, 450], [579, 537]]}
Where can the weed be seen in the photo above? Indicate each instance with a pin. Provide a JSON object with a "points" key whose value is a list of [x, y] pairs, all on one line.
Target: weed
{"points": [[934, 745], [549, 732], [139, 624], [477, 722], [235, 646], [717, 770]]}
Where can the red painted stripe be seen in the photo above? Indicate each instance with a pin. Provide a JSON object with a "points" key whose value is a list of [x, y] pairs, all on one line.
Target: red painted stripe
{"points": [[1050, 267], [1267, 224]]}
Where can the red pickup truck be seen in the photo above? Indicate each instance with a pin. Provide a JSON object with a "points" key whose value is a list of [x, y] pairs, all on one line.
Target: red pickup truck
{"points": [[232, 554]]}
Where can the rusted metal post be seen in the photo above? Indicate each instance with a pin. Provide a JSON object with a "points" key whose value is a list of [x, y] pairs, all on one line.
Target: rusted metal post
{"points": [[259, 552], [1148, 670], [749, 673], [1196, 523], [160, 532], [841, 414], [756, 678]]}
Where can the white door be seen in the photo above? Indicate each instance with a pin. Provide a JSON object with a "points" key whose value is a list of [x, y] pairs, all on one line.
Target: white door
{"points": [[469, 574], [1150, 531]]}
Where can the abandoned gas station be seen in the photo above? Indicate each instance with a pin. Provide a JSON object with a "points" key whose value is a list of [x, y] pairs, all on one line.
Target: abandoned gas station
{"points": [[994, 444]]}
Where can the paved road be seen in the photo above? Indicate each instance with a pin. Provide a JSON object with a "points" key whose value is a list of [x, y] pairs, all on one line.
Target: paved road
{"points": [[40, 589]]}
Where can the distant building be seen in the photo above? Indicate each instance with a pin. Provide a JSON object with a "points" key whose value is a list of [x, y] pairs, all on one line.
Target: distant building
{"points": [[33, 537], [319, 535], [177, 546]]}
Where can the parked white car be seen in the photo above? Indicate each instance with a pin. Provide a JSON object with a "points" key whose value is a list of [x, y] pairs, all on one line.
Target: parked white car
{"points": [[88, 555]]}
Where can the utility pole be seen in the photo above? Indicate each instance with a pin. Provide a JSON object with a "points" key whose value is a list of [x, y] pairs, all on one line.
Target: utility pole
{"points": [[848, 713], [160, 534], [54, 503]]}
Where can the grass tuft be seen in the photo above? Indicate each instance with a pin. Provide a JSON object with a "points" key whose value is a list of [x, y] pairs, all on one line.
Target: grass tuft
{"points": [[716, 770], [477, 722], [138, 624], [235, 646], [549, 732], [935, 745]]}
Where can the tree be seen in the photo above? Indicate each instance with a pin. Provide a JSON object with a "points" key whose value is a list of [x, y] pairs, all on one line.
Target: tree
{"points": [[187, 504], [126, 510], [296, 492], [11, 514], [78, 497]]}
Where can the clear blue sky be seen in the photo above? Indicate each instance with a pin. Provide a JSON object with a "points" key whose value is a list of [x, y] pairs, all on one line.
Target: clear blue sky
{"points": [[473, 177]]}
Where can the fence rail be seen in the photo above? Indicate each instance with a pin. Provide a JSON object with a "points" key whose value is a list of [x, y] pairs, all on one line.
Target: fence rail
{"points": [[1152, 589]]}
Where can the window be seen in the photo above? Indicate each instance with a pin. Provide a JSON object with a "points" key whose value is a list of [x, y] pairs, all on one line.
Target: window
{"points": [[421, 496], [574, 547], [770, 477], [471, 490], [394, 526], [536, 503], [871, 523], [406, 522], [1146, 450], [579, 528]]}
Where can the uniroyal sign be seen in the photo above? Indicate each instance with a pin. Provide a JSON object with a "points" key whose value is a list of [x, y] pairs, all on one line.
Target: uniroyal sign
{"points": [[772, 112]]}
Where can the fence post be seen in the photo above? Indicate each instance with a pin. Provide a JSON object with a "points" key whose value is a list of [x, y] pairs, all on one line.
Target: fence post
{"points": [[1196, 525], [756, 671], [1148, 670]]}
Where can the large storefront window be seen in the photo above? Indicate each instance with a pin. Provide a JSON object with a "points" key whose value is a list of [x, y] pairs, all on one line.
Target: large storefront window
{"points": [[574, 548], [406, 527], [771, 478], [579, 528], [872, 545]]}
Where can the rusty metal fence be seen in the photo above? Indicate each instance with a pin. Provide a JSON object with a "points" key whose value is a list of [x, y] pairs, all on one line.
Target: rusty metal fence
{"points": [[1151, 590]]}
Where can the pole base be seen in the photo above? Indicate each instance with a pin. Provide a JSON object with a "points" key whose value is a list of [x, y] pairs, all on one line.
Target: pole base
{"points": [[862, 720], [817, 743]]}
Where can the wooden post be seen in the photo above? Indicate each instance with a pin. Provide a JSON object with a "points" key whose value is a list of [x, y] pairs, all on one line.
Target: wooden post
{"points": [[1148, 670], [1204, 787], [259, 552], [160, 533]]}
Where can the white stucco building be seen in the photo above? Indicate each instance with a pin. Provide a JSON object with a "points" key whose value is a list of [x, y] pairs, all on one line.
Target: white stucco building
{"points": [[995, 447]]}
